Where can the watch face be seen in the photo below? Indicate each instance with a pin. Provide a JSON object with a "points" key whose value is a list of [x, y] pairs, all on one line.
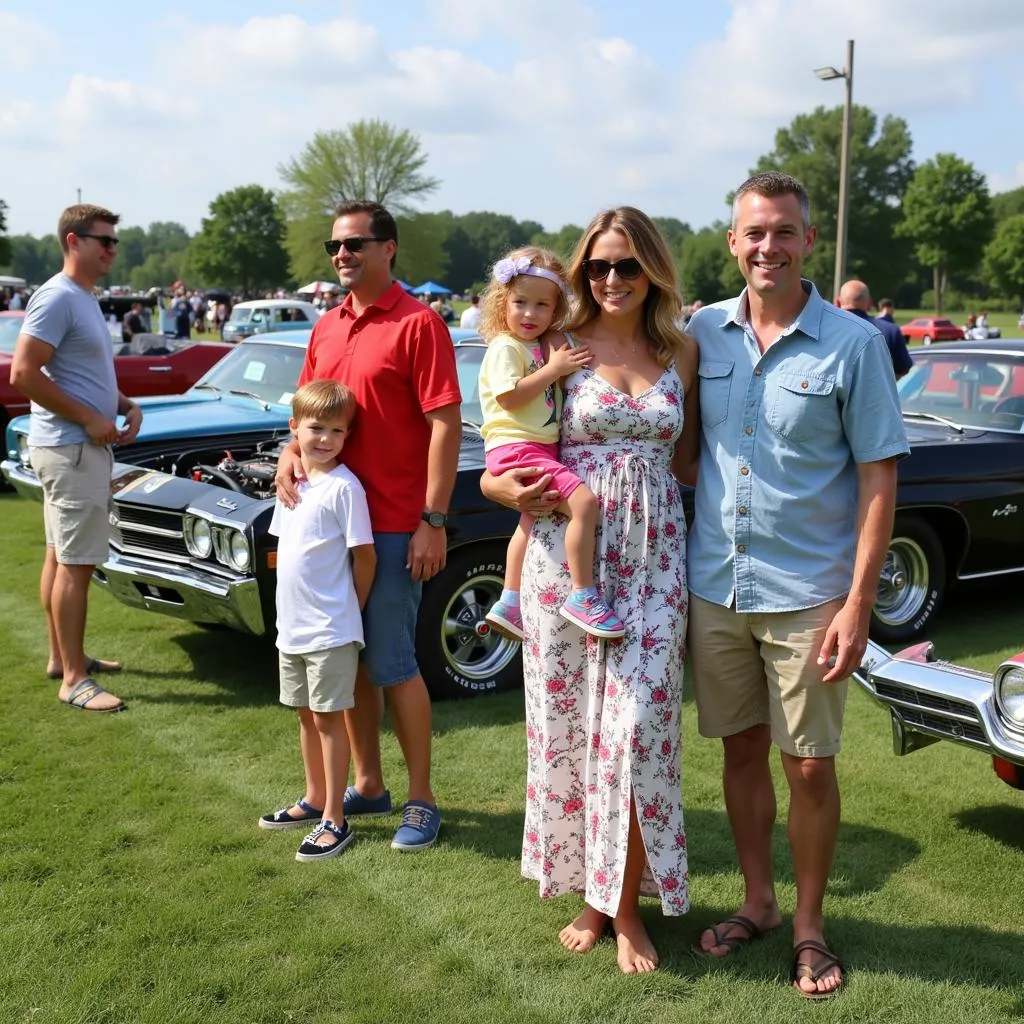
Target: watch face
{"points": [[436, 519]]}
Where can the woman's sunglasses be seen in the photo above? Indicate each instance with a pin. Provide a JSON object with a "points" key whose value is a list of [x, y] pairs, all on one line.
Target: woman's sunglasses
{"points": [[627, 269], [354, 244]]}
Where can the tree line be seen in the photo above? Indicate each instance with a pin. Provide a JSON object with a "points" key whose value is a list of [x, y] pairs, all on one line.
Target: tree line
{"points": [[927, 234]]}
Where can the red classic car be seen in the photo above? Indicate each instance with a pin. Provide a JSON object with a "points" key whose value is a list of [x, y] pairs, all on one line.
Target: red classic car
{"points": [[150, 365], [927, 329]]}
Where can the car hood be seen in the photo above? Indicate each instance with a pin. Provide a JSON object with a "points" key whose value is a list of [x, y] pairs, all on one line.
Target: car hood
{"points": [[922, 434], [197, 414]]}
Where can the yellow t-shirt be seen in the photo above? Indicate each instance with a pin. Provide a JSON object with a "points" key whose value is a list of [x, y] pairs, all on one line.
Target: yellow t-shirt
{"points": [[506, 361]]}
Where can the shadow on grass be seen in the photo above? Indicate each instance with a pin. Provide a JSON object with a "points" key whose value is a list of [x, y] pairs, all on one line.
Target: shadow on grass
{"points": [[1003, 824]]}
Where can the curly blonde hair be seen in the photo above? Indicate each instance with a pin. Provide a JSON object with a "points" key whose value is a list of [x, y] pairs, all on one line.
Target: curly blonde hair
{"points": [[663, 307], [494, 300]]}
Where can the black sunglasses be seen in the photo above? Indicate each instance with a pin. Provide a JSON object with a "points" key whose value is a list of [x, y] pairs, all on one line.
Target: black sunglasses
{"points": [[627, 269], [354, 244], [105, 240]]}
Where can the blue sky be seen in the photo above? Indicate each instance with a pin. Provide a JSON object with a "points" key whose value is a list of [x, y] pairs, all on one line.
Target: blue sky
{"points": [[547, 109]]}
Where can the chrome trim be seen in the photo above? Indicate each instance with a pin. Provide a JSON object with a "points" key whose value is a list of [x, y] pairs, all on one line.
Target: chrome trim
{"points": [[991, 572], [23, 480], [938, 700], [156, 531], [183, 592]]}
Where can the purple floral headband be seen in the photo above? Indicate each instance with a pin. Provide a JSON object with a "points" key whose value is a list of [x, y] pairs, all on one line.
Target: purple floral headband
{"points": [[506, 269]]}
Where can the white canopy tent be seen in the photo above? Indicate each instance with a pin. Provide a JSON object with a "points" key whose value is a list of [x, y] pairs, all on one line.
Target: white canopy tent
{"points": [[11, 282]]}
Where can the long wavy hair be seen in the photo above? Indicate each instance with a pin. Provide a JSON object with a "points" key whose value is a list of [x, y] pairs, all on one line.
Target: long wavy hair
{"points": [[494, 300], [663, 307]]}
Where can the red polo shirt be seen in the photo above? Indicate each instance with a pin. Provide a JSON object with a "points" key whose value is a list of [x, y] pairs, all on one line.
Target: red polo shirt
{"points": [[397, 358]]}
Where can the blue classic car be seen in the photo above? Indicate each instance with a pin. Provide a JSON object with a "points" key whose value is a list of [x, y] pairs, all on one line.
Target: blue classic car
{"points": [[190, 515]]}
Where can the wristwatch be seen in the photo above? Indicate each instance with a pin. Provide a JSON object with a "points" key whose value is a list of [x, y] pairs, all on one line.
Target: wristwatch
{"points": [[435, 519]]}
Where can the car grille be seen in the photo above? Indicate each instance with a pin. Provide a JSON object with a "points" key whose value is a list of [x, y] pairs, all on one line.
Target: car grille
{"points": [[147, 531], [953, 719]]}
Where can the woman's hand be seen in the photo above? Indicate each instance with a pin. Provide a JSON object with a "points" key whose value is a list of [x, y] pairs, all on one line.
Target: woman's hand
{"points": [[511, 490], [289, 473]]}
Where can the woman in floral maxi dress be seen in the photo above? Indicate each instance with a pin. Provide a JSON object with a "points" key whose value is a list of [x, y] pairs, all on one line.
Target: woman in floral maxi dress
{"points": [[604, 813]]}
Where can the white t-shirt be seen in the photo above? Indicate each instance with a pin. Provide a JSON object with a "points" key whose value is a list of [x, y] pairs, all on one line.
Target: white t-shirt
{"points": [[470, 318], [317, 607]]}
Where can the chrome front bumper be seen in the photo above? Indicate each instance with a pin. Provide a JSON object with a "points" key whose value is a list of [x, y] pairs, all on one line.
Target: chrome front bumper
{"points": [[935, 700], [183, 593], [22, 479]]}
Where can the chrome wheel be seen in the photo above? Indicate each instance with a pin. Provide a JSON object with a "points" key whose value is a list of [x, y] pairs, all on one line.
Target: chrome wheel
{"points": [[903, 585]]}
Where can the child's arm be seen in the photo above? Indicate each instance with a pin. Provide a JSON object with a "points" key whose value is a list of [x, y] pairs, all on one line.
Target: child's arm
{"points": [[364, 565], [562, 361]]}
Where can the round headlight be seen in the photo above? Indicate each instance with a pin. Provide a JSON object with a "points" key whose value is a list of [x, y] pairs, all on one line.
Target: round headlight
{"points": [[1009, 690], [239, 551], [198, 537]]}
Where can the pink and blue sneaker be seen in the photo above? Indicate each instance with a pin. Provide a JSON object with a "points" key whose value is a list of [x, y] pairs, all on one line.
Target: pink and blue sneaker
{"points": [[589, 610], [505, 616]]}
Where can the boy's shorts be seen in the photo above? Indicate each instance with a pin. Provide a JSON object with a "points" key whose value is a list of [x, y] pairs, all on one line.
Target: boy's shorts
{"points": [[762, 669], [389, 618], [322, 681], [533, 455], [76, 500]]}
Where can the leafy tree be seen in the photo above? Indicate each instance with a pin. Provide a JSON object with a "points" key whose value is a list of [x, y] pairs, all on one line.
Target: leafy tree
{"points": [[1004, 258], [709, 271], [562, 242], [948, 216], [421, 252], [131, 251], [366, 160], [1007, 204], [880, 168], [5, 243], [35, 259], [241, 244]]}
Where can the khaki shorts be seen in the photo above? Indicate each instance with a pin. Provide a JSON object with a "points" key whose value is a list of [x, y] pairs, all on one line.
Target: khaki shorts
{"points": [[76, 500], [761, 669], [322, 680]]}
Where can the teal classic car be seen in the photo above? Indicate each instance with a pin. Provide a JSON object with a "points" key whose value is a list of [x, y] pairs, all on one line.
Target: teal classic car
{"points": [[192, 502], [266, 316]]}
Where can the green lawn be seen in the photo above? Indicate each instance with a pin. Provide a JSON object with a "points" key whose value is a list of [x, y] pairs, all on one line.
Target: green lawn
{"points": [[136, 888]]}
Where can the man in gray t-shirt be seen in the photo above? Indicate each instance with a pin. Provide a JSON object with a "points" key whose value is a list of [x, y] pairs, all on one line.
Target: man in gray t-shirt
{"points": [[64, 363]]}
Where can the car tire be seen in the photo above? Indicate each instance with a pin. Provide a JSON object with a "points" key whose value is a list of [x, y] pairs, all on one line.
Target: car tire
{"points": [[913, 583], [926, 339], [458, 653]]}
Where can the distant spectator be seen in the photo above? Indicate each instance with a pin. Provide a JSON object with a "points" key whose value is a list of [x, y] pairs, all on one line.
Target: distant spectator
{"points": [[885, 310], [855, 298], [982, 320], [470, 318], [181, 312], [332, 298], [132, 323], [221, 316], [17, 300]]}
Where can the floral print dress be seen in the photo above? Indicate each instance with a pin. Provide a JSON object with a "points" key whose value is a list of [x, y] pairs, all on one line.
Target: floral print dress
{"points": [[603, 717]]}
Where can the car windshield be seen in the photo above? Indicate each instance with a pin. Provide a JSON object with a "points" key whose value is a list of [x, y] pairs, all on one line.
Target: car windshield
{"points": [[271, 372], [971, 389], [240, 315], [10, 327], [467, 360]]}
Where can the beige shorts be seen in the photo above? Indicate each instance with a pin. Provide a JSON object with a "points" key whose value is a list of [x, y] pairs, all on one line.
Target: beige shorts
{"points": [[761, 669], [322, 680], [76, 500]]}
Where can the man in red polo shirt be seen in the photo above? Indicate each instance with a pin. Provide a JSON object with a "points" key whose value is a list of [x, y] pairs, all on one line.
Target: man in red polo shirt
{"points": [[397, 356]]}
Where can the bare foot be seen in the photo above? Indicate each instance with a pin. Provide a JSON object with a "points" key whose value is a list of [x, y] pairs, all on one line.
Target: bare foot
{"points": [[580, 935], [636, 954], [745, 926]]}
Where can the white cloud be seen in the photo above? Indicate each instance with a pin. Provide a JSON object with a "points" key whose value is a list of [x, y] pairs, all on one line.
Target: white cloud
{"points": [[25, 42]]}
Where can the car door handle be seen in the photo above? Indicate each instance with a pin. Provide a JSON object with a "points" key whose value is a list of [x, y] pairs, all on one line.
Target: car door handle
{"points": [[159, 369]]}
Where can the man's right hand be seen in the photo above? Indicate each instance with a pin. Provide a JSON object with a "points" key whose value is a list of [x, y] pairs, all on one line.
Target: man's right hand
{"points": [[289, 473], [101, 430], [510, 490]]}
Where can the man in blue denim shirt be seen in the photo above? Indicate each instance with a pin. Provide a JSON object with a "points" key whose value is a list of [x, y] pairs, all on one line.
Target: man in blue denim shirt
{"points": [[801, 432]]}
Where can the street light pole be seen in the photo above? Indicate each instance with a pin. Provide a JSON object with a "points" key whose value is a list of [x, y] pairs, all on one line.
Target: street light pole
{"points": [[842, 215]]}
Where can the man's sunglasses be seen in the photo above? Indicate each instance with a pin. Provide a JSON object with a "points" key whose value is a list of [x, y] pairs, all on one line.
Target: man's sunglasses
{"points": [[627, 269], [354, 244], [105, 240]]}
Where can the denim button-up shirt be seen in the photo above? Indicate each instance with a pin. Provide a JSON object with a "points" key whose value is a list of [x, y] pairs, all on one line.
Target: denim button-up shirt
{"points": [[775, 523]]}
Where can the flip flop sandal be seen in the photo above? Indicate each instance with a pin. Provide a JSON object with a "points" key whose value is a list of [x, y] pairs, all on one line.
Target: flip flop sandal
{"points": [[733, 942], [92, 665], [814, 971], [86, 691]]}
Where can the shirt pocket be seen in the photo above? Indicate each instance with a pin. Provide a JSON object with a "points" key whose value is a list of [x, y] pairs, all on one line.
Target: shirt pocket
{"points": [[715, 384], [802, 406]]}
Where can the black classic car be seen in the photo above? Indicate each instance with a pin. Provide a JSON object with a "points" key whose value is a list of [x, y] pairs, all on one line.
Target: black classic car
{"points": [[960, 502], [931, 700]]}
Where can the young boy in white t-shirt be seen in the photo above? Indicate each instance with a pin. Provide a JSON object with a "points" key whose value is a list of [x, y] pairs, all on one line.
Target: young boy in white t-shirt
{"points": [[325, 565]]}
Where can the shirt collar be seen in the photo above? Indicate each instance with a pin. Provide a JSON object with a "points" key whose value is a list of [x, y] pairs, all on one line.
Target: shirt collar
{"points": [[385, 302], [808, 320]]}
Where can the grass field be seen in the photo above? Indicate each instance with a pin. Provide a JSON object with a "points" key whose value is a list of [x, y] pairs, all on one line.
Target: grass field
{"points": [[136, 888]]}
